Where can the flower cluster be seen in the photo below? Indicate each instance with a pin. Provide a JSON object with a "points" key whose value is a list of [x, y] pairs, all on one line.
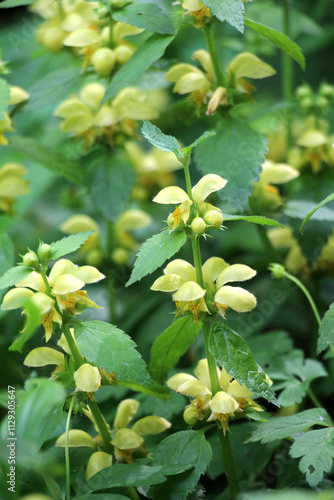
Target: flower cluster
{"points": [[17, 95], [12, 185]]}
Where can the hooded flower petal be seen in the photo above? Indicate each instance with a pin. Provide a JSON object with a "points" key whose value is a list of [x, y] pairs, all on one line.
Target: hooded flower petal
{"points": [[202, 372], [88, 274], [167, 283], [127, 439], [33, 280], [15, 298], [43, 356], [207, 185], [148, 426], [62, 266], [87, 378], [172, 195], [189, 291], [76, 438], [182, 268], [67, 283], [97, 461], [126, 410], [236, 272], [277, 173], [223, 403], [212, 269], [42, 301], [194, 388], [236, 298], [239, 391], [177, 380]]}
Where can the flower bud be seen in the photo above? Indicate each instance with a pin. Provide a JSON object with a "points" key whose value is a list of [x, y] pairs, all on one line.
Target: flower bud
{"points": [[76, 439], [123, 54], [303, 91], [30, 259], [213, 218], [44, 253], [218, 97], [327, 91], [321, 102], [103, 61], [198, 225], [170, 220], [277, 270], [120, 256], [98, 461], [87, 378]]}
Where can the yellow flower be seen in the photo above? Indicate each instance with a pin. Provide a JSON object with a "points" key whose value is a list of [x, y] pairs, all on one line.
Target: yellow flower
{"points": [[197, 9], [91, 249], [273, 173], [12, 185]]}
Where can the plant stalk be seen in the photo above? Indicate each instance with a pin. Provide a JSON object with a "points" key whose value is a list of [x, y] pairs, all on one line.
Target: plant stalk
{"points": [[207, 29], [67, 452], [287, 71], [307, 294]]}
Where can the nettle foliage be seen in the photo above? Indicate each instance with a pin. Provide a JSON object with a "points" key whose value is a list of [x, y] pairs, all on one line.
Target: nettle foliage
{"points": [[214, 400]]}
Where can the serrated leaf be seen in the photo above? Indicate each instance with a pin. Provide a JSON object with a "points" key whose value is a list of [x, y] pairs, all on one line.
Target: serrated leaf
{"points": [[279, 39], [232, 352], [171, 345], [146, 55], [14, 275], [155, 251], [147, 16], [230, 11], [4, 97], [185, 449], [68, 244], [255, 219], [108, 347], [236, 153], [326, 330], [187, 150], [48, 157], [282, 427], [158, 139], [317, 451], [321, 204]]}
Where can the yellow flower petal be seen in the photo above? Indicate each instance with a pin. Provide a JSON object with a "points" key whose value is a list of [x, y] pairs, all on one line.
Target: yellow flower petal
{"points": [[131, 220], [207, 185], [239, 391], [88, 274], [81, 38], [92, 94], [194, 388], [171, 195], [204, 58], [97, 461], [70, 107], [224, 379], [17, 95], [247, 65], [223, 403], [182, 268], [235, 272], [312, 139], [67, 283], [43, 356], [177, 380], [33, 280], [212, 269], [15, 298], [148, 426], [127, 439], [76, 438], [126, 410], [179, 70], [236, 298], [42, 301], [277, 173], [62, 266], [167, 283], [202, 372], [191, 82], [87, 378], [189, 291]]}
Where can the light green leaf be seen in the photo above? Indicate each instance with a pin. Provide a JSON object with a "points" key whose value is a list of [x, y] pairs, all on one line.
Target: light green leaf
{"points": [[4, 97], [14, 275], [145, 15], [287, 494], [256, 219], [230, 11], [282, 427], [232, 352], [7, 4], [185, 449], [317, 451], [171, 345], [298, 209], [108, 347], [236, 153], [146, 55], [326, 330], [68, 244], [158, 139], [155, 251], [48, 158], [279, 39], [321, 204]]}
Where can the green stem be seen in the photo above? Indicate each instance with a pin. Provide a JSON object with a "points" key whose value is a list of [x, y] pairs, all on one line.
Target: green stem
{"points": [[188, 180], [207, 29], [215, 386], [111, 244], [287, 71], [67, 451], [229, 464], [307, 294], [132, 493], [314, 398]]}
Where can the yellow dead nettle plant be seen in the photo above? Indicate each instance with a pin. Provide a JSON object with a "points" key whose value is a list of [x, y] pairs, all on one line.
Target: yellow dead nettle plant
{"points": [[272, 173], [65, 294], [233, 397], [174, 195], [314, 144], [129, 443], [283, 239], [17, 95], [12, 185], [91, 249], [87, 378], [197, 9]]}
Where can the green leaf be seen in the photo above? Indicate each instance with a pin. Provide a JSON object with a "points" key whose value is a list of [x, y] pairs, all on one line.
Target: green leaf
{"points": [[236, 153], [33, 321], [103, 496], [48, 157], [155, 251], [185, 449], [6, 253], [171, 345], [233, 353], [188, 150], [282, 427], [317, 451], [158, 139], [298, 209], [108, 347], [321, 204], [326, 330], [14, 275], [230, 11], [110, 182], [155, 390], [288, 494], [279, 39], [4, 97], [145, 15], [68, 244], [7, 4], [146, 55], [256, 219]]}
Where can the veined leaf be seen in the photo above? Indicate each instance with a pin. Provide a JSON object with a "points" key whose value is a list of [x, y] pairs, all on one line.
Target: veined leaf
{"points": [[158, 139], [326, 330], [321, 204], [279, 39], [171, 345], [68, 244], [282, 427], [14, 275], [155, 251], [232, 352], [4, 97], [256, 219], [146, 55], [230, 11], [108, 347], [145, 15]]}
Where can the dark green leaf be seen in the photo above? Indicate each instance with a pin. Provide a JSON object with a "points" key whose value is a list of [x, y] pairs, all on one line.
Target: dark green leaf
{"points": [[187, 150], [236, 153], [171, 345], [321, 204], [326, 330], [155, 251], [289, 494], [33, 321], [14, 275], [47, 157], [233, 353], [4, 97], [282, 427], [279, 39], [230, 11], [146, 55], [68, 244], [158, 139], [145, 15], [185, 449], [102, 496], [256, 219], [317, 451], [108, 347]]}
